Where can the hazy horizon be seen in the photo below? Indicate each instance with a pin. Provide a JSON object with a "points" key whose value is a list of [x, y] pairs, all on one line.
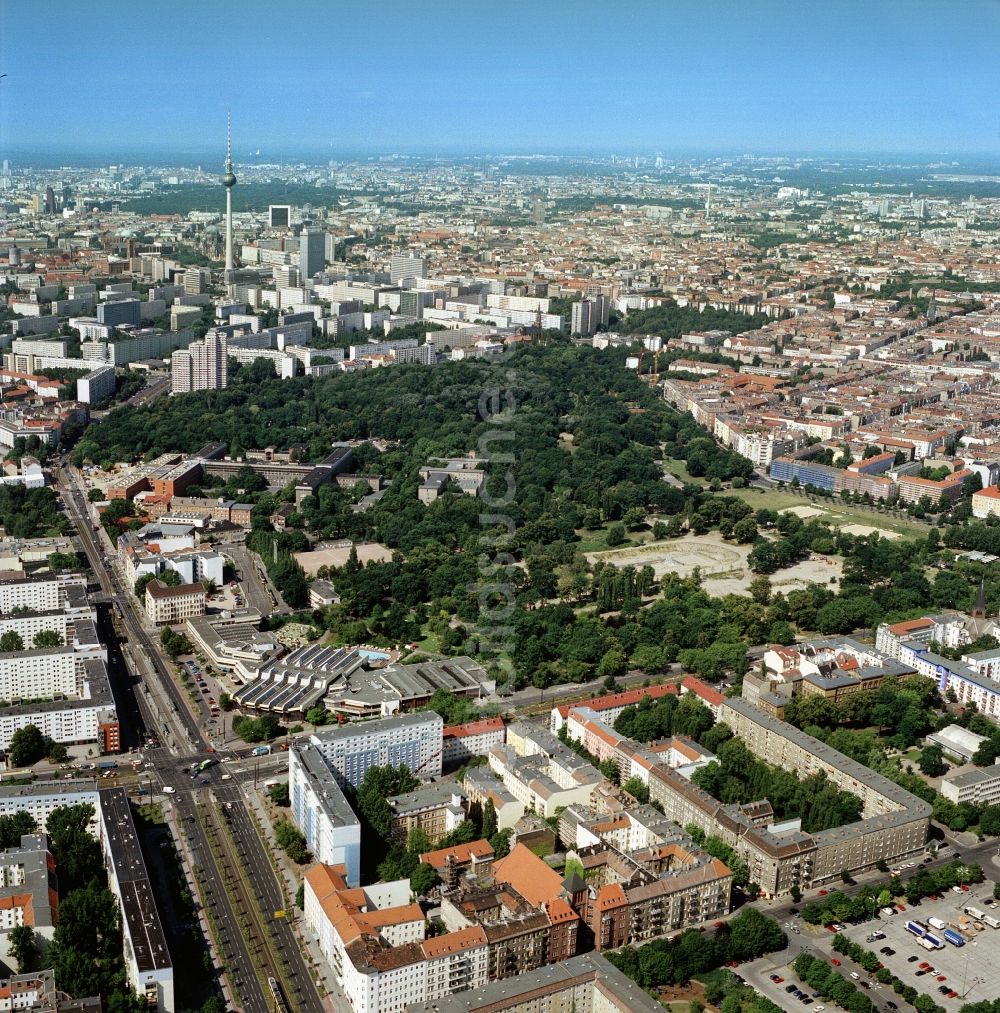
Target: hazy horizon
{"points": [[310, 81]]}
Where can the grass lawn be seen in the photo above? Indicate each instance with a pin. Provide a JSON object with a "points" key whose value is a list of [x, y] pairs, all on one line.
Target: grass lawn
{"points": [[597, 540], [835, 511], [679, 470], [429, 644]]}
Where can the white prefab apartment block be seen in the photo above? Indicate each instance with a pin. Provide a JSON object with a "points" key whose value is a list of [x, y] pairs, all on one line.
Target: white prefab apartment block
{"points": [[322, 813], [412, 739], [34, 675], [30, 593], [99, 383]]}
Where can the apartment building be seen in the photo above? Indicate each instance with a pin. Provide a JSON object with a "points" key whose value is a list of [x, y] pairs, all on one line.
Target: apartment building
{"points": [[168, 605], [482, 785], [96, 385], [474, 738], [36, 594], [609, 706], [148, 967], [451, 864], [986, 502], [436, 809], [543, 783], [29, 892], [323, 814], [38, 674], [410, 739], [780, 855], [626, 899], [972, 679], [588, 983], [375, 941], [86, 715], [203, 365]]}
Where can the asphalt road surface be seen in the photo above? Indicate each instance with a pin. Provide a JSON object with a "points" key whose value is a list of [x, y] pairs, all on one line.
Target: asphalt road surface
{"points": [[157, 703]]}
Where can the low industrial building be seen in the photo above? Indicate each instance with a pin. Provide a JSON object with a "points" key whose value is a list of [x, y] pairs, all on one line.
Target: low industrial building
{"points": [[957, 742], [351, 683]]}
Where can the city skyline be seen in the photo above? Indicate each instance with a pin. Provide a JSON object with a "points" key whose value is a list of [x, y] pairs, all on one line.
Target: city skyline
{"points": [[556, 78]]}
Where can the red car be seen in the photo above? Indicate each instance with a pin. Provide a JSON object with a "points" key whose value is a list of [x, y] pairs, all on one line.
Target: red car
{"points": [[778, 979], [900, 908], [923, 965], [942, 977], [823, 893], [835, 961], [965, 889]]}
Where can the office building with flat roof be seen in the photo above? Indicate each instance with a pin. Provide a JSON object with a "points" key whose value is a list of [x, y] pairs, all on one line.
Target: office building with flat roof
{"points": [[312, 252]]}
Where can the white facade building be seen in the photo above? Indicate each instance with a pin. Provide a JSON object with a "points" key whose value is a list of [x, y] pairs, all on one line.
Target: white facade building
{"points": [[322, 813], [413, 739], [96, 385]]}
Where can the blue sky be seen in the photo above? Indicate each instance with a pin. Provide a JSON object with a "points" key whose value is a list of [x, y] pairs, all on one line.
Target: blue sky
{"points": [[335, 76]]}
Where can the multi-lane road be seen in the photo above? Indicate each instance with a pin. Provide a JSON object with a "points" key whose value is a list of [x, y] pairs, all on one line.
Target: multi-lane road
{"points": [[223, 846]]}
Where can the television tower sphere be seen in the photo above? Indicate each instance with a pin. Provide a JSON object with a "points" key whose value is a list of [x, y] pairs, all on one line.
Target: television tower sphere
{"points": [[229, 178]]}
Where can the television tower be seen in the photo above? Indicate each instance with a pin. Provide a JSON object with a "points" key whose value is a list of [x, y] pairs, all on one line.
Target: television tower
{"points": [[229, 181]]}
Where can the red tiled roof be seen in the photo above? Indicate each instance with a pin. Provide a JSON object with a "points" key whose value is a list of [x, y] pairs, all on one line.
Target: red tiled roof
{"points": [[479, 727], [625, 699]]}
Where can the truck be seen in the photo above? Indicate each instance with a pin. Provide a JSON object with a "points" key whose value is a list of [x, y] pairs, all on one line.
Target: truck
{"points": [[993, 923], [974, 912], [108, 765], [937, 923], [953, 937], [935, 943], [926, 943], [916, 928], [260, 751]]}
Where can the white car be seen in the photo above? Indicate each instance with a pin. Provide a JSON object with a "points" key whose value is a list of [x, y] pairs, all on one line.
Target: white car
{"points": [[855, 975], [818, 1009], [168, 790]]}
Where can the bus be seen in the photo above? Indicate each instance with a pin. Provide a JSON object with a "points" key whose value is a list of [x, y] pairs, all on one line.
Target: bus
{"points": [[205, 764]]}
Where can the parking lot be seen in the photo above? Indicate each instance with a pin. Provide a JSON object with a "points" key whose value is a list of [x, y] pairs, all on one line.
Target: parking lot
{"points": [[972, 970]]}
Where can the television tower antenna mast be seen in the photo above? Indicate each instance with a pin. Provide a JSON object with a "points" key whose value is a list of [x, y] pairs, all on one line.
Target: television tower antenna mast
{"points": [[229, 181]]}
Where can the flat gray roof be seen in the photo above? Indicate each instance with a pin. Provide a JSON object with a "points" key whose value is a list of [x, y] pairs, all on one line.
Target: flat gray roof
{"points": [[324, 786], [625, 994]]}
